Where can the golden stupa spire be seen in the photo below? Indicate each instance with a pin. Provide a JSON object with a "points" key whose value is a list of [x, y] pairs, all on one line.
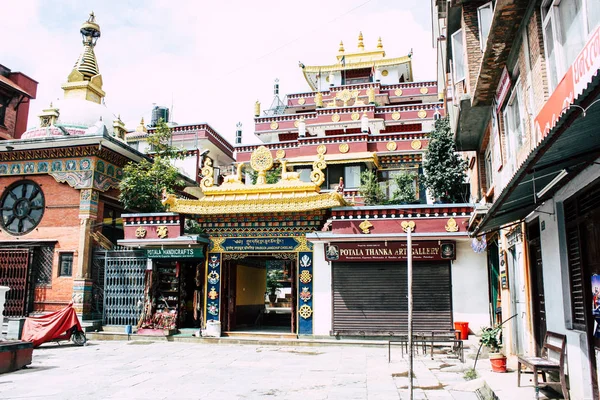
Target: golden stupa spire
{"points": [[361, 45], [379, 43], [85, 80], [341, 49]]}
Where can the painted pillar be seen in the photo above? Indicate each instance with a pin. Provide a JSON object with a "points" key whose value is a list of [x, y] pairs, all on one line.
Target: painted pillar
{"points": [[305, 291], [82, 282], [213, 287]]}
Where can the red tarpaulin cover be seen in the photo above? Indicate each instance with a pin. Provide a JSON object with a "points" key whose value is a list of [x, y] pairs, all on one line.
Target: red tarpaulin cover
{"points": [[48, 327]]}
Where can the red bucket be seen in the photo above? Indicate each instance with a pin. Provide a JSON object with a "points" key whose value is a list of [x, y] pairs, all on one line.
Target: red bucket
{"points": [[463, 327]]}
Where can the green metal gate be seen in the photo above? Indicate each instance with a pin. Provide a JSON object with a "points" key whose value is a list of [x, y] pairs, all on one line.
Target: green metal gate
{"points": [[124, 281]]}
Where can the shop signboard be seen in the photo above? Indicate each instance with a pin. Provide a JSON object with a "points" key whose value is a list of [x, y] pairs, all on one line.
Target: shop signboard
{"points": [[572, 85], [182, 252], [390, 251], [259, 244]]}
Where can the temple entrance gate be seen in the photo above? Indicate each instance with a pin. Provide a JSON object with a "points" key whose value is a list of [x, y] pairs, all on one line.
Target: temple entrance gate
{"points": [[222, 277]]}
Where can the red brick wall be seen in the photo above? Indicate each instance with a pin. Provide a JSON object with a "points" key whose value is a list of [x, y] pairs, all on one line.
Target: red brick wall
{"points": [[30, 86], [60, 222], [470, 25], [10, 118]]}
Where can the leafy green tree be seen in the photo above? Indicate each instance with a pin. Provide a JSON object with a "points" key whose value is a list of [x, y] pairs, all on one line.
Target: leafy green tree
{"points": [[143, 182], [444, 169], [405, 192], [273, 175], [370, 189]]}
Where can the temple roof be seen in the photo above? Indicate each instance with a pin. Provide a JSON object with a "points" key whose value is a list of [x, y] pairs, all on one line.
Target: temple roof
{"points": [[289, 194]]}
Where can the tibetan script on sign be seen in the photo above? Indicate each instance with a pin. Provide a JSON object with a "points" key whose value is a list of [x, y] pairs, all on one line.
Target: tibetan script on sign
{"points": [[389, 251], [260, 244]]}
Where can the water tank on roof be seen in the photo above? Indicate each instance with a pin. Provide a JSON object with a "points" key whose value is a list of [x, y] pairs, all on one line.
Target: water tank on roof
{"points": [[159, 112]]}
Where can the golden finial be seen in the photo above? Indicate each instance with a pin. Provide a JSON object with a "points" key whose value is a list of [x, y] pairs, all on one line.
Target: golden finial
{"points": [[341, 49], [141, 128], [379, 44], [257, 109], [361, 45]]}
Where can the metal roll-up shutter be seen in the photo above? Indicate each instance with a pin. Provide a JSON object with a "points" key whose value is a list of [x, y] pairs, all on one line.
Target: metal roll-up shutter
{"points": [[371, 298]]}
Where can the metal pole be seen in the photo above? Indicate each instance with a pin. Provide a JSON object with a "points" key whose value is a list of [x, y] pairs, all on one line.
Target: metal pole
{"points": [[410, 310]]}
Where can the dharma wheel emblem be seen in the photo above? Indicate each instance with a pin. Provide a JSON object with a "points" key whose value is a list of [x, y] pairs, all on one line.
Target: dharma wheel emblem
{"points": [[261, 161], [305, 311], [140, 233]]}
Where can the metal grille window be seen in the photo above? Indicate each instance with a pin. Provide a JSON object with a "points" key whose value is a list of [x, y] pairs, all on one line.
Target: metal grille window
{"points": [[42, 265], [65, 264]]}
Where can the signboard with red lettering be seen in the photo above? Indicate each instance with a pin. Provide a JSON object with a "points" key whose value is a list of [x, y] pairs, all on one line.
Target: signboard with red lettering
{"points": [[503, 88], [390, 251], [573, 84]]}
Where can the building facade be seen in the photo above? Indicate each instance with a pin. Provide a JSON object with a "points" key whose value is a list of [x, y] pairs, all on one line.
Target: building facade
{"points": [[16, 91], [520, 80], [60, 195], [291, 213]]}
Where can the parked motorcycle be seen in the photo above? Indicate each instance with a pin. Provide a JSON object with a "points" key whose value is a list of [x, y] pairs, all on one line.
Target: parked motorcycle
{"points": [[56, 326]]}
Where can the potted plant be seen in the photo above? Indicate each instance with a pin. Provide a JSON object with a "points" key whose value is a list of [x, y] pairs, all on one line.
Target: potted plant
{"points": [[273, 284], [490, 339]]}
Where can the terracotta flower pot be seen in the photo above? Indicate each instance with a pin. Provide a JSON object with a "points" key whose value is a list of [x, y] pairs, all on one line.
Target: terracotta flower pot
{"points": [[498, 361]]}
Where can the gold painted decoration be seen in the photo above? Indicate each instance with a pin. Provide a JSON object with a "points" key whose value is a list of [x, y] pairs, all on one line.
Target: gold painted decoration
{"points": [[207, 174], [280, 153], [319, 99], [261, 161], [396, 116], [384, 72], [424, 90], [213, 295], [391, 146], [451, 225], [296, 123], [162, 232], [344, 147], [365, 226], [415, 144], [140, 233], [305, 276], [301, 101], [355, 116], [408, 225], [305, 311], [422, 114], [345, 96], [321, 149], [398, 92], [274, 125], [335, 117]]}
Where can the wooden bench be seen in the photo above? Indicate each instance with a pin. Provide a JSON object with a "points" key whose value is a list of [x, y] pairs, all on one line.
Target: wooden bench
{"points": [[553, 342]]}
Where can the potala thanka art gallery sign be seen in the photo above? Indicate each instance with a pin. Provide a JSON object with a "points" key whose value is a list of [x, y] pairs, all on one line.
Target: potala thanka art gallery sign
{"points": [[390, 251]]}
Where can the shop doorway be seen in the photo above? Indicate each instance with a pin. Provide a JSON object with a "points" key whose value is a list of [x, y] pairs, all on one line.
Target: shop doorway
{"points": [[536, 273], [259, 294]]}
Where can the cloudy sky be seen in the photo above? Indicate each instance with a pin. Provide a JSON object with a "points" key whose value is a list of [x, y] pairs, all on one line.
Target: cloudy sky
{"points": [[210, 60]]}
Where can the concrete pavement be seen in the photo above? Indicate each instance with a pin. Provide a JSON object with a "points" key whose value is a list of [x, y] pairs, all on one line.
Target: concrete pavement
{"points": [[164, 370]]}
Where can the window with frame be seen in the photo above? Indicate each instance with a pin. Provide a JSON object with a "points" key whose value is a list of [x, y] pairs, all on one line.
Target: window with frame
{"points": [[513, 124], [489, 165], [566, 24], [4, 101], [458, 56], [65, 264], [388, 183], [484, 16], [304, 173], [350, 173]]}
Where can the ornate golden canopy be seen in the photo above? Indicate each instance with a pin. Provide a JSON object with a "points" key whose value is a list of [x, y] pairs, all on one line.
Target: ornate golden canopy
{"points": [[289, 194]]}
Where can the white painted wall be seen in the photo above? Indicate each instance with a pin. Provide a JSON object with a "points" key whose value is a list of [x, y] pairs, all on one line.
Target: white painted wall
{"points": [[187, 166], [322, 295], [556, 285], [470, 299]]}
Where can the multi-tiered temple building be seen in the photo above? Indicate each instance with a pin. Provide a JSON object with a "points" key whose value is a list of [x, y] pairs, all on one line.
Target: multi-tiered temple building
{"points": [[285, 224]]}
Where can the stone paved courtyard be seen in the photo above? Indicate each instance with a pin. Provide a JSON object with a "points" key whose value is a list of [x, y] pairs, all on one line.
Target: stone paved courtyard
{"points": [[163, 370]]}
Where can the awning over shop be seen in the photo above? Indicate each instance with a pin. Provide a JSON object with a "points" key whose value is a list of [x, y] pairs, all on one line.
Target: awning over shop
{"points": [[570, 146]]}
